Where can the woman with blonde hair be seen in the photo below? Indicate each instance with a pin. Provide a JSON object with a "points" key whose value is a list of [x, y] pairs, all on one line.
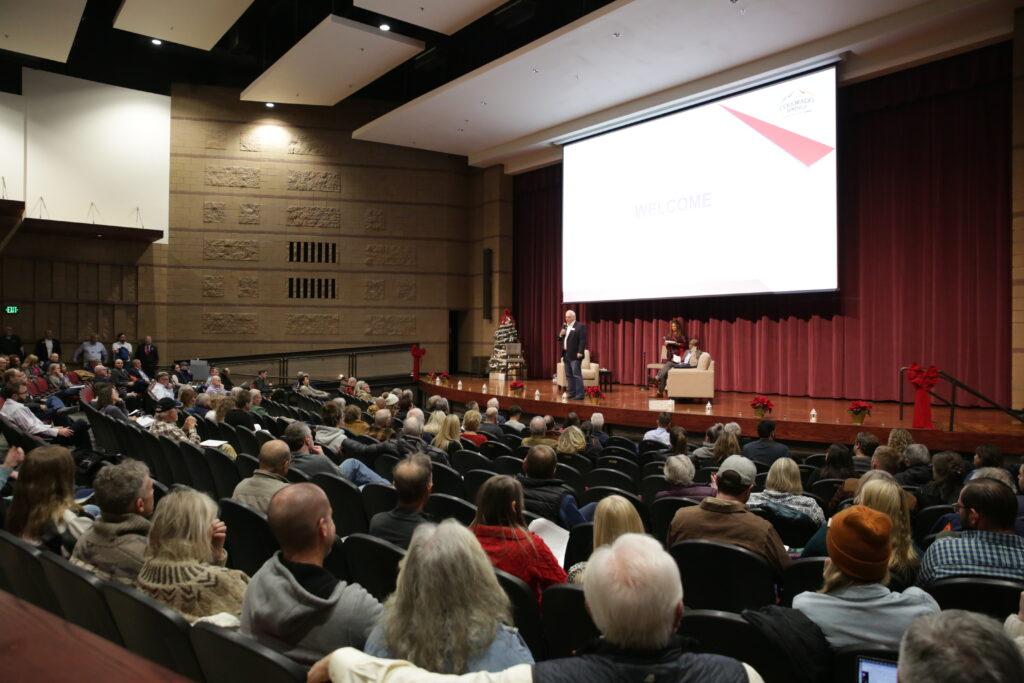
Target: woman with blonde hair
{"points": [[725, 445], [184, 567], [31, 366], [470, 425], [571, 441], [783, 487], [43, 511], [220, 405], [613, 517], [447, 438], [899, 439], [448, 613], [435, 422]]}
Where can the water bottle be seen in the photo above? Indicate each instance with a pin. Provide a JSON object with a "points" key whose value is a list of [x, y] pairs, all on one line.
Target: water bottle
{"points": [[536, 395], [437, 380], [483, 388], [814, 415], [459, 386], [707, 408], [565, 397]]}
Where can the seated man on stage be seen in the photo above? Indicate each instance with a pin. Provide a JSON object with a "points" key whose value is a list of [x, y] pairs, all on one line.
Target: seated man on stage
{"points": [[677, 357], [573, 340]]}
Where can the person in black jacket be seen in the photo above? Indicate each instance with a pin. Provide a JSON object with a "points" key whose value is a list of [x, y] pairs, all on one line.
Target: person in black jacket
{"points": [[413, 484], [543, 494], [47, 346], [918, 463], [148, 354], [239, 416], [411, 441], [572, 341]]}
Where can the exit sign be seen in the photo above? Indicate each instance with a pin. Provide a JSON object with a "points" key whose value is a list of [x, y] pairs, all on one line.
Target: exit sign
{"points": [[12, 310]]}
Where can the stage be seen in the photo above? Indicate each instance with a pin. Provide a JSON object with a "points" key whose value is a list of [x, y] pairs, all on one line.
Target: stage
{"points": [[626, 406]]}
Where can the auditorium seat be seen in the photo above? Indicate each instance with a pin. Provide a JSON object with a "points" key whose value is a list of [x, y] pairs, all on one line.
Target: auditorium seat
{"points": [[609, 477], [651, 486], [346, 504], [525, 612], [378, 498], [626, 465], [472, 481], [580, 544], [596, 493], [571, 477], [384, 465], [994, 597], [513, 441], [494, 449], [725, 577], [226, 656], [447, 481], [442, 506], [816, 460], [577, 461], [246, 465], [622, 442], [805, 574], [198, 467], [23, 573], [651, 445], [703, 475], [464, 461], [826, 488], [224, 472], [249, 542], [730, 635], [297, 476], [79, 594], [172, 455], [469, 445], [629, 453], [567, 624], [247, 441], [926, 518], [373, 564], [506, 464], [152, 630], [662, 512]]}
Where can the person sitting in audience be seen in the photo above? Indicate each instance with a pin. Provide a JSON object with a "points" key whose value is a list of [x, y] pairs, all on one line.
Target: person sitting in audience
{"points": [[15, 393], [184, 567], [660, 433], [411, 441], [948, 471], [239, 415], [571, 420], [138, 374], [292, 604], [493, 402], [30, 366], [120, 376], [269, 478], [261, 383], [918, 464], [107, 400], [225, 378], [184, 373], [514, 421], [838, 465], [854, 607], [433, 425], [162, 388], [43, 510], [711, 434], [448, 438], [765, 450], [166, 423], [330, 434], [956, 646], [546, 496], [899, 439], [354, 420], [259, 413], [726, 446], [634, 594], [783, 488], [378, 403], [490, 425], [220, 404], [679, 472], [215, 387], [725, 517], [988, 545], [12, 460], [864, 446], [56, 380], [538, 434], [199, 404], [597, 420], [571, 442], [448, 613], [677, 442], [986, 455], [309, 458], [381, 429], [91, 352], [413, 484], [470, 425], [884, 459], [114, 548], [402, 408], [501, 530], [613, 517]]}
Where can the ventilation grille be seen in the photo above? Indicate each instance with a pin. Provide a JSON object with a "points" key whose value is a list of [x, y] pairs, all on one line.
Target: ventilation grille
{"points": [[312, 252], [312, 288]]}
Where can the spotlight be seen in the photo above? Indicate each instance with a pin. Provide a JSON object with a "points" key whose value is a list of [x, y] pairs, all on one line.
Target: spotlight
{"points": [[157, 41], [385, 27], [270, 105]]}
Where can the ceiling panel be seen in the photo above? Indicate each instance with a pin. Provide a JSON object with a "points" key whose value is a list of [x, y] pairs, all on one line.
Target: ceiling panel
{"points": [[40, 28], [331, 62], [196, 23], [443, 16]]}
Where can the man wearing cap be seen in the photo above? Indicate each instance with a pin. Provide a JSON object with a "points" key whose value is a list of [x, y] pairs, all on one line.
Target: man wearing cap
{"points": [[166, 423], [854, 606], [725, 518]]}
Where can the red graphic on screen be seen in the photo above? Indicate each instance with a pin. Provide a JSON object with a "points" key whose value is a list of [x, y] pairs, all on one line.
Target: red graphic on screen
{"points": [[804, 149]]}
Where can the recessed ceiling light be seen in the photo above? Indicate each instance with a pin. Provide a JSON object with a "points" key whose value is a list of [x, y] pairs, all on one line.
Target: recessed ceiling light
{"points": [[385, 27], [616, 35], [269, 105], [536, 70], [157, 41]]}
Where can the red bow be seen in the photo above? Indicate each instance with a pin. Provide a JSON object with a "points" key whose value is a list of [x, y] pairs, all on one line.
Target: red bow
{"points": [[924, 379], [417, 353]]}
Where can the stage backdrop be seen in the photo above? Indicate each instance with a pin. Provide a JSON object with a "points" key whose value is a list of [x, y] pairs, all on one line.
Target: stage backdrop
{"points": [[924, 256]]}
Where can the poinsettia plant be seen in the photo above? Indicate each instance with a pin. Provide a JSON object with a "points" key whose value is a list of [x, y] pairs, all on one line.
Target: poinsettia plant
{"points": [[858, 407], [516, 385], [593, 392], [443, 376], [762, 403]]}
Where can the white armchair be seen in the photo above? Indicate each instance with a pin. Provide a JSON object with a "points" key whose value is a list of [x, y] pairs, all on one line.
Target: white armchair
{"points": [[698, 382], [588, 370]]}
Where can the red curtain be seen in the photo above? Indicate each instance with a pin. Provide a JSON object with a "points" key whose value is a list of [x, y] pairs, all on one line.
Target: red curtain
{"points": [[924, 256]]}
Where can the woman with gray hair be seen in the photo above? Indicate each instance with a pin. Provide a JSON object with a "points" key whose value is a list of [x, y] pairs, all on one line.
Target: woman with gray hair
{"points": [[448, 613], [679, 471]]}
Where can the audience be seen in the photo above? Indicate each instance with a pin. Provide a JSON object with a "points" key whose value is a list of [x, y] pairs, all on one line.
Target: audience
{"points": [[679, 472], [571, 442], [12, 459], [538, 434], [381, 429], [501, 530], [306, 389], [955, 646], [765, 449], [513, 421], [546, 496], [864, 446], [259, 413], [15, 393], [987, 546], [725, 517], [114, 548], [448, 613], [306, 455], [884, 459], [986, 455], [917, 463], [240, 415], [705, 450], [269, 478], [838, 465], [854, 607], [947, 474], [413, 484], [294, 605], [162, 388], [783, 488], [184, 567], [107, 400], [43, 510], [434, 424], [726, 446], [411, 441], [261, 383], [354, 421], [660, 433], [165, 423], [448, 437], [613, 517], [899, 439], [490, 425], [470, 425]]}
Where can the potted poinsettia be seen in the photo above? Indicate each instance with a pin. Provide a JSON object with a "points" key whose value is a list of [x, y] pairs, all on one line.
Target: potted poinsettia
{"points": [[762, 405], [859, 410], [592, 394], [516, 388]]}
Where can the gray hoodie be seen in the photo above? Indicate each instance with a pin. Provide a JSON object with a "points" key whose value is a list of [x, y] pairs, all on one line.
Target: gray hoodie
{"points": [[284, 616]]}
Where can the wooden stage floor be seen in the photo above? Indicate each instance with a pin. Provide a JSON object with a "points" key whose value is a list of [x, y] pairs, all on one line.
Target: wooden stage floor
{"points": [[626, 406]]}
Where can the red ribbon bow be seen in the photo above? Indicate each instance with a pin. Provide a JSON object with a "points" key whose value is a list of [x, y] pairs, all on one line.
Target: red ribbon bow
{"points": [[924, 379]]}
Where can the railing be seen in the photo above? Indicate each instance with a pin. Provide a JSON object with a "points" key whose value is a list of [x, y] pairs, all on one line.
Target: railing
{"points": [[951, 402], [364, 362]]}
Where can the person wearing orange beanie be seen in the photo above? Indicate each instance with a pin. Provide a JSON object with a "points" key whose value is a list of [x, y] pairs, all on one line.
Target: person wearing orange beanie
{"points": [[854, 606]]}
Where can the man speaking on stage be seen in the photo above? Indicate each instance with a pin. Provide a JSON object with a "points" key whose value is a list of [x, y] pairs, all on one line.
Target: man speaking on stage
{"points": [[573, 340]]}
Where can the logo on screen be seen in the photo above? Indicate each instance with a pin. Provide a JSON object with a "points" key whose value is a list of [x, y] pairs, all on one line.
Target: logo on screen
{"points": [[797, 102]]}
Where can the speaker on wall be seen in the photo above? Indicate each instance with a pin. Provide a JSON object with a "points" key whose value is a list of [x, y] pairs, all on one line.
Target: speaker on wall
{"points": [[488, 277]]}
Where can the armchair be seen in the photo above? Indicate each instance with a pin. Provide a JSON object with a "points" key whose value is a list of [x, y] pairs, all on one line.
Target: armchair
{"points": [[588, 369]]}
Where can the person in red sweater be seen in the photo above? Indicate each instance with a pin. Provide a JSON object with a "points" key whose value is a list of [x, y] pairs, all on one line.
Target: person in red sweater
{"points": [[470, 423], [502, 532]]}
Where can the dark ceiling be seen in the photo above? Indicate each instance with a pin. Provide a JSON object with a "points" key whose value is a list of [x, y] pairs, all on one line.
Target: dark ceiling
{"points": [[270, 27]]}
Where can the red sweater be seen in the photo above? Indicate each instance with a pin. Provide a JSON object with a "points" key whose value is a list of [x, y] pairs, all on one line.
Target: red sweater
{"points": [[510, 551], [478, 439]]}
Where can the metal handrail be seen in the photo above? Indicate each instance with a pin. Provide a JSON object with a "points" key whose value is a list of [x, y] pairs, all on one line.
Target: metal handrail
{"points": [[951, 402], [281, 359]]}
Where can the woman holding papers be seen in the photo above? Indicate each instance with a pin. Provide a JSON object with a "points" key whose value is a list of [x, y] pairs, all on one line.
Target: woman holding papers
{"points": [[677, 353]]}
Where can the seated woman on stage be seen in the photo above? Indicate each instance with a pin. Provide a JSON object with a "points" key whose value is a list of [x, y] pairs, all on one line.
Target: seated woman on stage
{"points": [[675, 342]]}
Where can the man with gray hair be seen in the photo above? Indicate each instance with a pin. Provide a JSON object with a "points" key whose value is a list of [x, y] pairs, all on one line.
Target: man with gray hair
{"points": [[918, 464], [114, 548], [493, 402], [956, 646], [490, 424], [309, 458], [572, 341], [538, 434], [411, 441], [597, 422]]}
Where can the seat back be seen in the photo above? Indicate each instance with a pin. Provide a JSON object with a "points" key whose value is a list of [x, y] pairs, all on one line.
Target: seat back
{"points": [[506, 464], [468, 445], [226, 656], [442, 506], [525, 613], [378, 498], [249, 542], [152, 630], [175, 461], [596, 493], [472, 481], [567, 624], [346, 504], [662, 512], [373, 564], [725, 577], [651, 445], [703, 475], [297, 476], [580, 544], [247, 440], [447, 481], [794, 530], [572, 478], [495, 449], [78, 593], [198, 468], [609, 477], [925, 519], [384, 465], [246, 464], [994, 597], [826, 488], [224, 471], [22, 568], [730, 635], [622, 442], [651, 486], [805, 574], [464, 461]]}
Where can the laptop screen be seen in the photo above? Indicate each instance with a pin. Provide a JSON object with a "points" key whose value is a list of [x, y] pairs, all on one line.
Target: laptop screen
{"points": [[875, 671]]}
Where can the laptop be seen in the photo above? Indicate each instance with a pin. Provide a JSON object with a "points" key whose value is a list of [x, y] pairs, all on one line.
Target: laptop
{"points": [[875, 670]]}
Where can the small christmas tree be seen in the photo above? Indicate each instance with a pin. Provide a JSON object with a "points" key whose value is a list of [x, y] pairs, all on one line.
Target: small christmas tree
{"points": [[505, 333]]}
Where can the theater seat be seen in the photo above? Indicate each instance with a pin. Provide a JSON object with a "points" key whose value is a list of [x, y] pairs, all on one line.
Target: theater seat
{"points": [[698, 382], [589, 370], [567, 624], [226, 656]]}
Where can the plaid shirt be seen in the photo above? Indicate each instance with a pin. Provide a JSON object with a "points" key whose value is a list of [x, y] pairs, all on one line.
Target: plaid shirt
{"points": [[974, 553], [174, 432]]}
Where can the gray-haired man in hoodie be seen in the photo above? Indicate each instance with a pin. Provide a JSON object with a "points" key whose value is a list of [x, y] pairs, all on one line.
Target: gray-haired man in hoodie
{"points": [[293, 604]]}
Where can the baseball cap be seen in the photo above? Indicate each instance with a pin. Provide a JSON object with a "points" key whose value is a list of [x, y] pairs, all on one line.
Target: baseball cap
{"points": [[391, 399], [165, 404], [744, 467]]}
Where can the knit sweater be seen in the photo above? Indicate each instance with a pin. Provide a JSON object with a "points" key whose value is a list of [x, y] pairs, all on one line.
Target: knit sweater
{"points": [[114, 548], [195, 589], [522, 554]]}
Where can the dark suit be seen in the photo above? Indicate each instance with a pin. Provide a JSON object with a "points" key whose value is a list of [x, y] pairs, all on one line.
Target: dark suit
{"points": [[572, 355], [42, 355], [150, 358], [10, 346]]}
